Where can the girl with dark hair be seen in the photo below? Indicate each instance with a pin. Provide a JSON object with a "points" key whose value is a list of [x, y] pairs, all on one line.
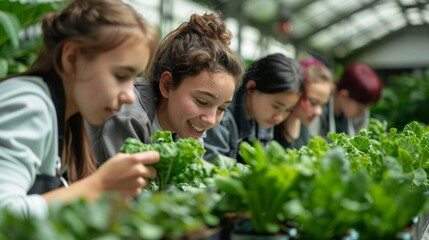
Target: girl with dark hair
{"points": [[348, 109], [318, 87], [190, 84], [271, 88], [92, 52]]}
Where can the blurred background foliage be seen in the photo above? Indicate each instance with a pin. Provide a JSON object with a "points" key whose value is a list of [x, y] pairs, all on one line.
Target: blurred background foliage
{"points": [[20, 34], [405, 98]]}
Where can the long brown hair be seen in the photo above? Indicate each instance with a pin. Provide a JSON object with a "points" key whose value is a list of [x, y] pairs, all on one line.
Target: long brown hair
{"points": [[97, 26]]}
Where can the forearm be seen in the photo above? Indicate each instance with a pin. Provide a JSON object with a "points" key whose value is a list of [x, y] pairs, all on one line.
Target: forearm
{"points": [[89, 188], [291, 128], [125, 174]]}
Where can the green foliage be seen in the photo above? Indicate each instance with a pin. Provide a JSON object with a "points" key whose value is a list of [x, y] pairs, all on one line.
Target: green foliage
{"points": [[19, 33], [262, 189], [359, 183], [373, 183], [177, 158], [404, 100], [159, 215]]}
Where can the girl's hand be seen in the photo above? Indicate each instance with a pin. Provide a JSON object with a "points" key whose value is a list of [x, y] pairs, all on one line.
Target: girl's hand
{"points": [[126, 174]]}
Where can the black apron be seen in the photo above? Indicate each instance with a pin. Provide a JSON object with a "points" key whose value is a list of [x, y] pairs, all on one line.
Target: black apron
{"points": [[45, 183]]}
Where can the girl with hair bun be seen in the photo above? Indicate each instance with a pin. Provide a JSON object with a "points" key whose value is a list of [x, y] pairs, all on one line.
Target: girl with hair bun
{"points": [[271, 88], [348, 109], [92, 52], [318, 87], [186, 91]]}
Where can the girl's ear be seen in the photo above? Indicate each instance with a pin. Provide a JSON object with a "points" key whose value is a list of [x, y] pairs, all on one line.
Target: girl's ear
{"points": [[165, 83], [250, 85], [343, 93], [69, 58]]}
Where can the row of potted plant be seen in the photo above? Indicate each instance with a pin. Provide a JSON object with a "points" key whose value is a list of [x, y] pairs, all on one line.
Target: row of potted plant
{"points": [[369, 186]]}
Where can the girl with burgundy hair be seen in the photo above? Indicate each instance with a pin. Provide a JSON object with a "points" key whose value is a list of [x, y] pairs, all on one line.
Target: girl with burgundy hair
{"points": [[348, 109]]}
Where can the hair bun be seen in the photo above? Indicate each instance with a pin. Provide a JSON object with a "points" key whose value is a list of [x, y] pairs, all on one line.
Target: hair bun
{"points": [[210, 26]]}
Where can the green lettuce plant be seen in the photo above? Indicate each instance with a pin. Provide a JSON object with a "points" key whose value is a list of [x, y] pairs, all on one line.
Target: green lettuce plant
{"points": [[180, 161]]}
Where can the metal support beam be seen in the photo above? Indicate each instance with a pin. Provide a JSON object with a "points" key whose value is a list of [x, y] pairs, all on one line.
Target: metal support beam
{"points": [[166, 17], [404, 11]]}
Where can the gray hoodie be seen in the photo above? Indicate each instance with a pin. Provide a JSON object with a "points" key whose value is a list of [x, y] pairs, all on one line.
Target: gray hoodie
{"points": [[134, 120]]}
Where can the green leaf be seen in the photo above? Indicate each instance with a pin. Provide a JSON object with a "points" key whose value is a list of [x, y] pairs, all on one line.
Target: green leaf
{"points": [[415, 128], [176, 158], [162, 136], [3, 67], [319, 146], [420, 177], [11, 26], [361, 143], [230, 186], [405, 160]]}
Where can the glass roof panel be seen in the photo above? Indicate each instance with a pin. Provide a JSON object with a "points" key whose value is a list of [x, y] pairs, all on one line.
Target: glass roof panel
{"points": [[301, 27], [148, 9], [343, 6], [322, 40], [408, 2], [357, 42], [398, 24], [414, 16], [324, 13], [316, 13], [345, 30], [232, 25], [365, 19], [250, 40], [290, 3], [391, 13], [341, 25], [184, 9], [379, 31]]}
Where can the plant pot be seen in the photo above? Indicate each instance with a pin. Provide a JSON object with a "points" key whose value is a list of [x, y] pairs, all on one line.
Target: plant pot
{"points": [[250, 236], [243, 230], [205, 234]]}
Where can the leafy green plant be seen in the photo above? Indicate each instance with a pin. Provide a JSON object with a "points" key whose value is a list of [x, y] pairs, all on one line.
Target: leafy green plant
{"points": [[381, 152], [180, 161], [328, 189], [262, 190], [153, 215]]}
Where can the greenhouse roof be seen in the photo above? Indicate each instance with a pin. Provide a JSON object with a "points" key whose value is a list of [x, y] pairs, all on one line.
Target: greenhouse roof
{"points": [[337, 26]]}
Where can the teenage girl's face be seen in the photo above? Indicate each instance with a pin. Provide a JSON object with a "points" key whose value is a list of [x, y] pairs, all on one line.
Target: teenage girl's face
{"points": [[105, 82], [271, 109], [311, 104], [197, 104]]}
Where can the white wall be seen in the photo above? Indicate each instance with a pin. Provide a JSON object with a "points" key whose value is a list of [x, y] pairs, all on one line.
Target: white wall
{"points": [[409, 48]]}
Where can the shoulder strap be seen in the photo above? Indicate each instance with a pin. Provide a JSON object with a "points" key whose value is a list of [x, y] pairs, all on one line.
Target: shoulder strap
{"points": [[58, 98]]}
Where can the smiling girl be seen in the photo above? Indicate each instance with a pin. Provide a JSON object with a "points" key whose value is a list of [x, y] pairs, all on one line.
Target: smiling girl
{"points": [[189, 86]]}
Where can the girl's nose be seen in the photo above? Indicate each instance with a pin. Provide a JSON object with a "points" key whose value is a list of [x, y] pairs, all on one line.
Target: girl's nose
{"points": [[127, 96], [209, 117], [318, 110], [279, 117]]}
